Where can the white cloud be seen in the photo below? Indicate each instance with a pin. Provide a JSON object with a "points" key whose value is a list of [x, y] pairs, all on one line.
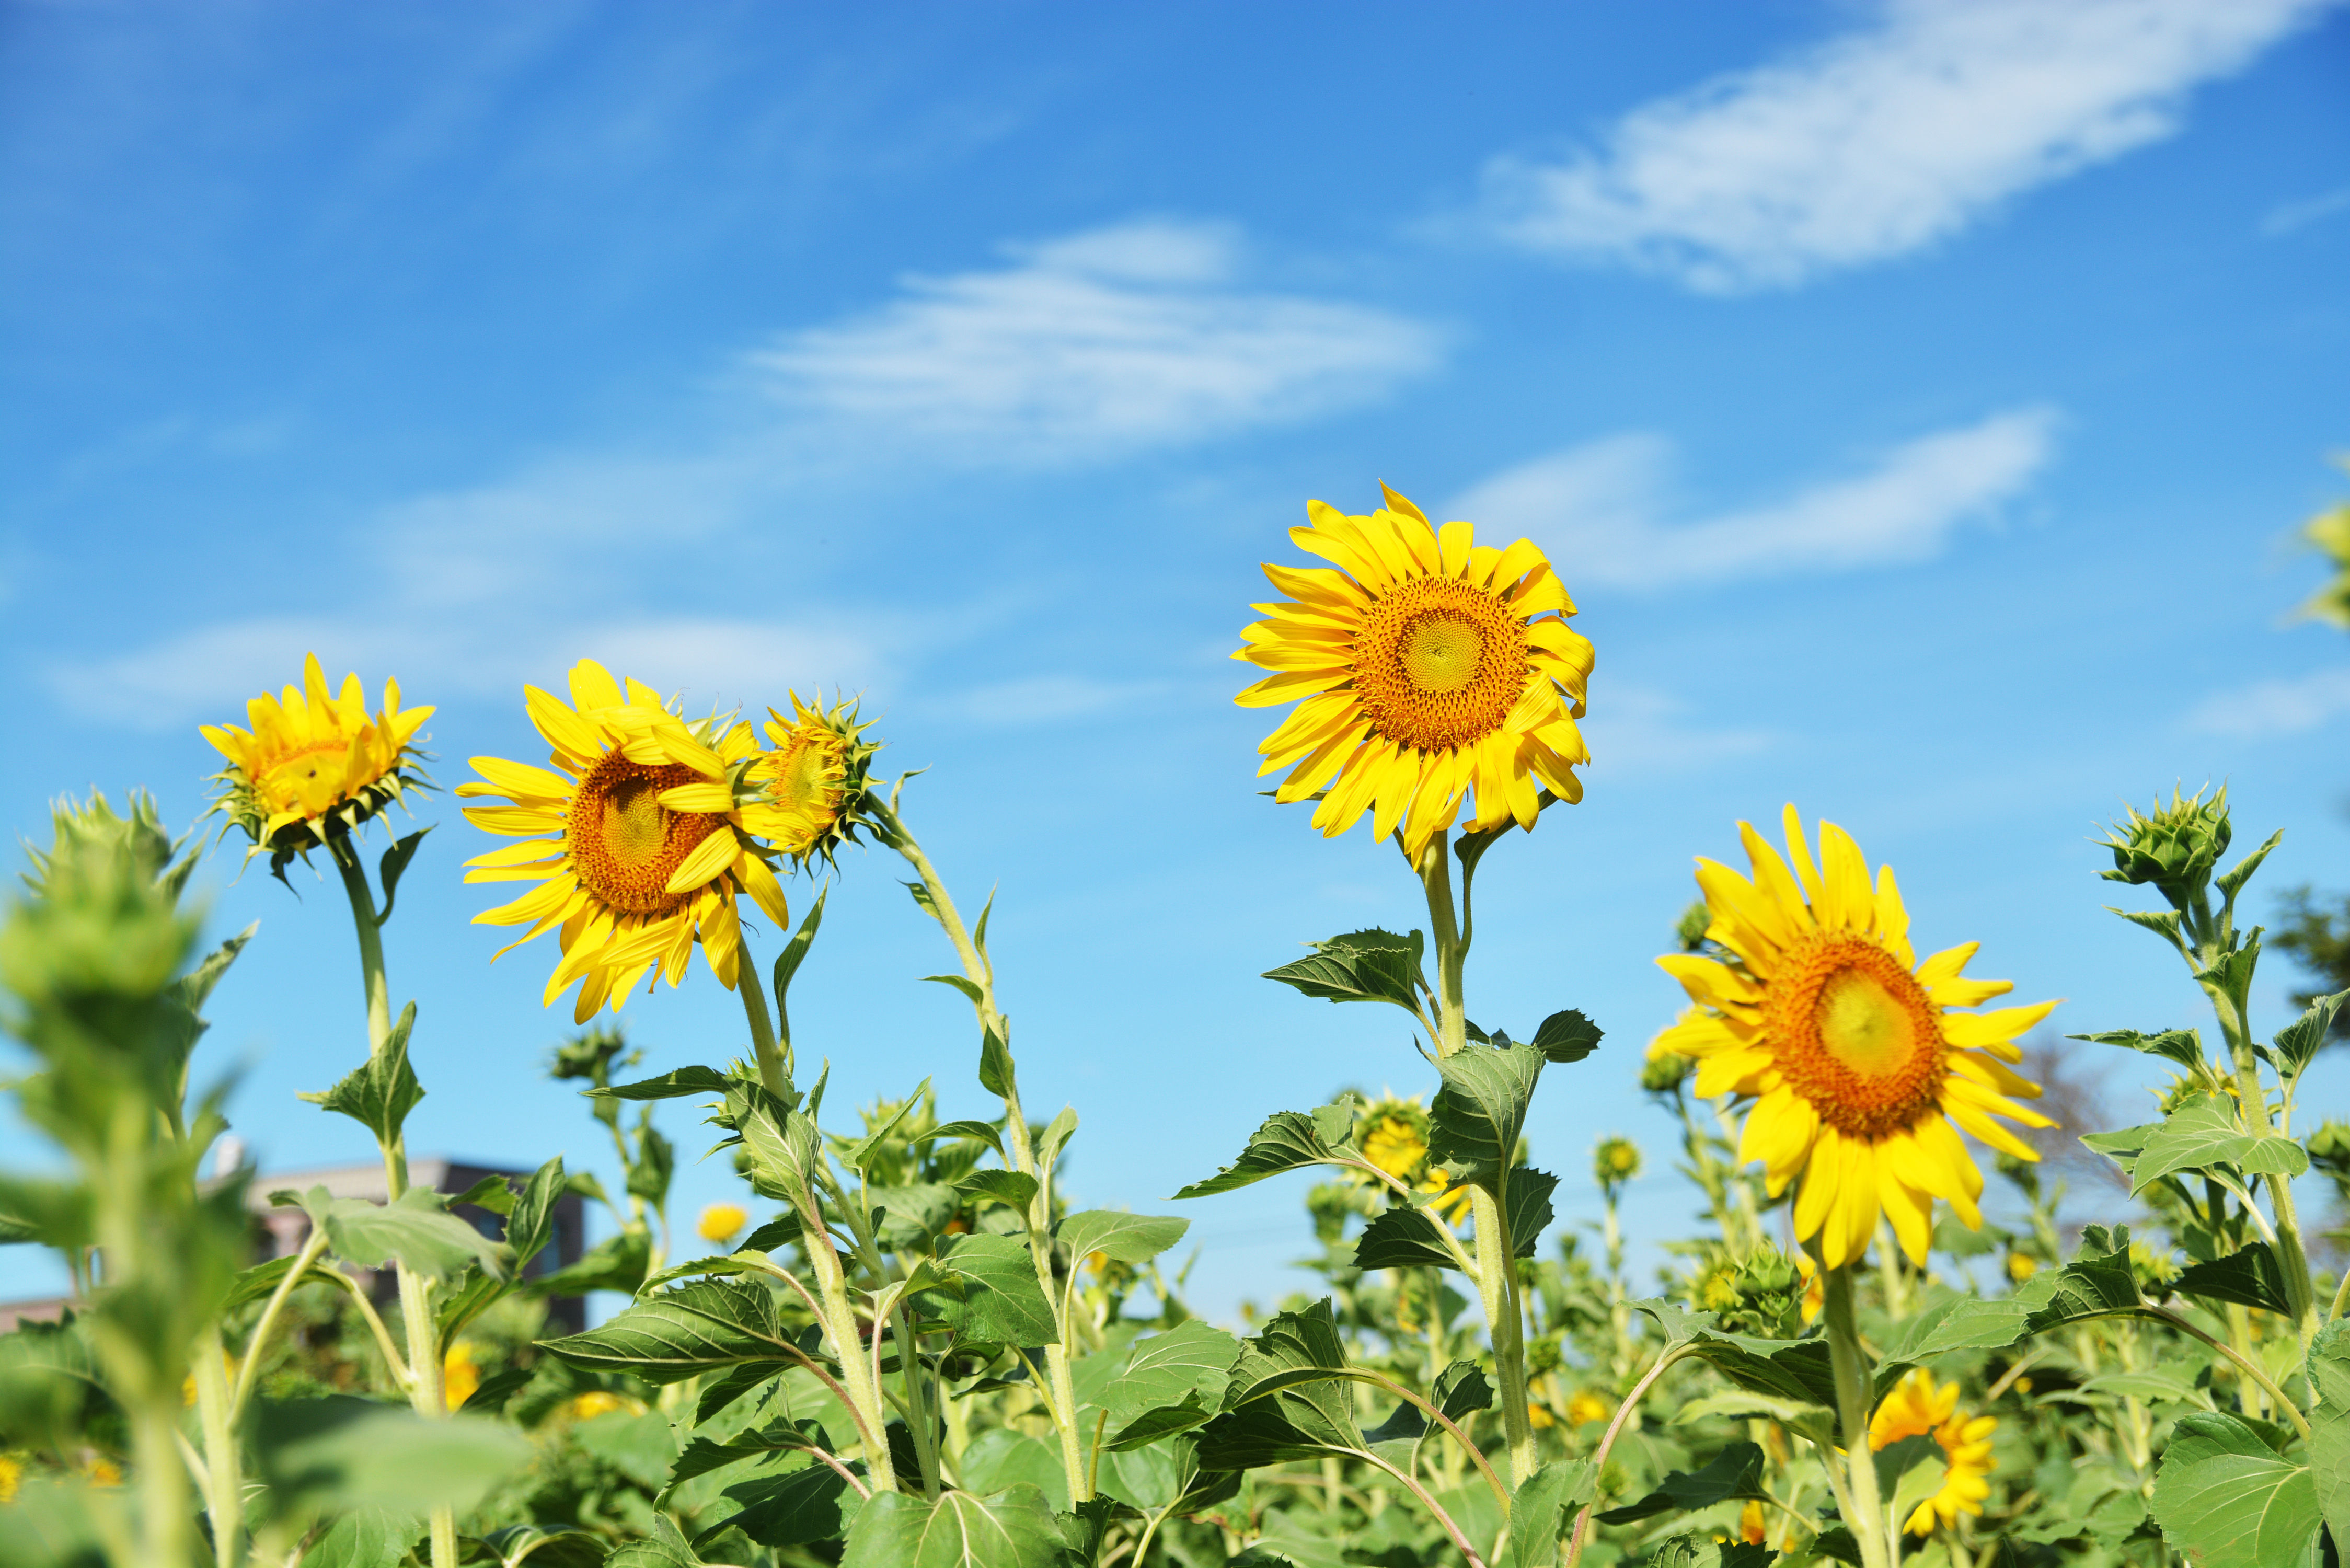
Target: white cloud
{"points": [[1091, 346], [2276, 707], [2291, 217], [1881, 142], [1600, 509]]}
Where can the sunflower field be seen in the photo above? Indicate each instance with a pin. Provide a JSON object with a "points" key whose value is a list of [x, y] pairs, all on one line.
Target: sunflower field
{"points": [[903, 1348]]}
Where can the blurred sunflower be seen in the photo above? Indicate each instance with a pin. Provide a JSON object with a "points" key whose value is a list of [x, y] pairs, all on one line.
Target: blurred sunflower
{"points": [[314, 766], [460, 1374], [1847, 1046], [1915, 1408], [1393, 1136], [649, 850], [722, 1223], [1431, 666], [811, 781]]}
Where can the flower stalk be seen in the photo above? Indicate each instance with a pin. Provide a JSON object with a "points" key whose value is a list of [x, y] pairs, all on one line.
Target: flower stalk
{"points": [[1867, 1516]]}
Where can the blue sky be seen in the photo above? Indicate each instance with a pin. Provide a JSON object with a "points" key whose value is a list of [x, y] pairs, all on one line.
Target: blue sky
{"points": [[1917, 399]]}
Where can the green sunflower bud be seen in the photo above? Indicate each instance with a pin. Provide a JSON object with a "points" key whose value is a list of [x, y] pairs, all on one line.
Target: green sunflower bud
{"points": [[2175, 849]]}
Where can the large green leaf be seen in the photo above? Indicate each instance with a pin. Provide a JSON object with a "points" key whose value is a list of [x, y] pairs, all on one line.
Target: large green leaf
{"points": [[338, 1453], [2203, 1134], [1178, 1377], [810, 1501], [416, 1227], [2251, 1276], [1790, 1369], [1566, 1036], [380, 1092], [665, 1548], [2226, 1500], [708, 1325], [1123, 1238], [1538, 1510], [1360, 966], [2329, 1428], [1480, 1112], [2297, 1043], [1735, 1472], [674, 1085], [1289, 1141], [2184, 1047], [615, 1263], [1014, 1528], [1000, 1302], [1287, 1398]]}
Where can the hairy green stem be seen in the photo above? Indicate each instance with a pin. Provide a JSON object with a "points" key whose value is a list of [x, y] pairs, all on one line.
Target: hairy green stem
{"points": [[753, 990], [1869, 1521], [223, 1467], [248, 1376], [1582, 1535], [1428, 1500]]}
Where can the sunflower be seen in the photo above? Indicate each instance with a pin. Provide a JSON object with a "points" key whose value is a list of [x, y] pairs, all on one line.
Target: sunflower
{"points": [[1847, 1046], [1395, 1138], [1430, 667], [722, 1223], [811, 781], [313, 767], [1918, 1408], [649, 850]]}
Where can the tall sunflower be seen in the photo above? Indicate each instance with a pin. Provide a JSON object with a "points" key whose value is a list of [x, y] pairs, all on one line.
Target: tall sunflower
{"points": [[810, 780], [314, 766], [648, 852], [1915, 1408], [1430, 668], [1850, 1049]]}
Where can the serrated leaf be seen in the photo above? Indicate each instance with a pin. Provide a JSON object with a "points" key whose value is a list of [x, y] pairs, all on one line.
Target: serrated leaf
{"points": [[1462, 1390], [2184, 1047], [1014, 1528], [670, 1085], [2251, 1276], [665, 1548], [791, 1508], [1179, 1376], [1371, 965], [984, 1132], [1287, 1140], [1474, 1123], [1538, 1510], [2175, 1384], [1286, 1399], [616, 1264], [783, 1231], [1404, 1237], [2231, 881], [708, 1325], [1735, 1472], [416, 1227], [2298, 1042], [2202, 1134], [1566, 1036], [537, 1546], [2225, 1498], [1122, 1237], [394, 864], [862, 1150], [1003, 1185], [1797, 1370], [1000, 1303], [380, 1092], [996, 1069]]}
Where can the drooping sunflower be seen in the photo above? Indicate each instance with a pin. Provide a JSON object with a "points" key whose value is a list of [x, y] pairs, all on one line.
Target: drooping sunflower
{"points": [[1852, 1052], [648, 851], [810, 780], [1914, 1409], [1431, 667], [1394, 1137], [314, 766]]}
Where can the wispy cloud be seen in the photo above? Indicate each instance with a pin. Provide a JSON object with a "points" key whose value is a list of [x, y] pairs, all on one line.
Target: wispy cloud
{"points": [[1052, 699], [2291, 217], [1602, 509], [2270, 708], [1093, 347], [1881, 142]]}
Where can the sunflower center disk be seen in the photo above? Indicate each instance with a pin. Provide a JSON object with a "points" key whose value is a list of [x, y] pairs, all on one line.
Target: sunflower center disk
{"points": [[625, 845], [1858, 1037], [1439, 664]]}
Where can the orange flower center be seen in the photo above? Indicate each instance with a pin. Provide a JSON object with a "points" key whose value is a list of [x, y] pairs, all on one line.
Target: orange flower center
{"points": [[1856, 1036], [624, 844], [1439, 664]]}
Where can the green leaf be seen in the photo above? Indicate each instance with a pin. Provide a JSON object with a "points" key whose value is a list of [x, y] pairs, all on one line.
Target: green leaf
{"points": [[1000, 1303], [984, 1132], [1055, 1136], [1566, 1036], [1704, 1552], [996, 1068], [783, 1231], [394, 863], [416, 1227], [666, 1548], [1538, 1510], [1014, 1528], [1735, 1472], [1288, 1140], [1003, 1185], [1793, 1369], [2226, 1498], [788, 962], [616, 1264], [2203, 1134], [491, 1193], [537, 1546], [2329, 1427], [1404, 1237], [2184, 1047], [380, 1092], [710, 1325], [2297, 1043], [1480, 1112], [862, 1151], [670, 1085], [1123, 1238], [968, 988], [2165, 1382], [700, 1456], [2231, 881], [61, 1214], [262, 1278], [1286, 1399], [1462, 1390], [491, 1397], [1179, 1377], [2251, 1276], [1360, 966], [807, 1504], [338, 1453]]}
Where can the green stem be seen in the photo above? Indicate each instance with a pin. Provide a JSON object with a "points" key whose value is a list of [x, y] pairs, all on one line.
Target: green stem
{"points": [[1496, 1277], [370, 928], [224, 1479], [1435, 1508], [248, 1376], [763, 1028], [1869, 1521], [1607, 1440]]}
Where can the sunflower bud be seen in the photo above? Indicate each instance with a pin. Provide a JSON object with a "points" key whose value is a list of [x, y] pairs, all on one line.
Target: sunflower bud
{"points": [[1664, 1071], [2152, 1266], [2175, 849], [1614, 1162]]}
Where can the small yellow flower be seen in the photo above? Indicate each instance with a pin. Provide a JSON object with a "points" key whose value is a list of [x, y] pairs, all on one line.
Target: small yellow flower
{"points": [[103, 1472], [459, 1375], [1816, 1289], [2022, 1266], [1538, 1416], [11, 1472], [314, 766], [603, 1402], [1587, 1407], [1918, 1408], [1749, 1523], [720, 1222]]}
